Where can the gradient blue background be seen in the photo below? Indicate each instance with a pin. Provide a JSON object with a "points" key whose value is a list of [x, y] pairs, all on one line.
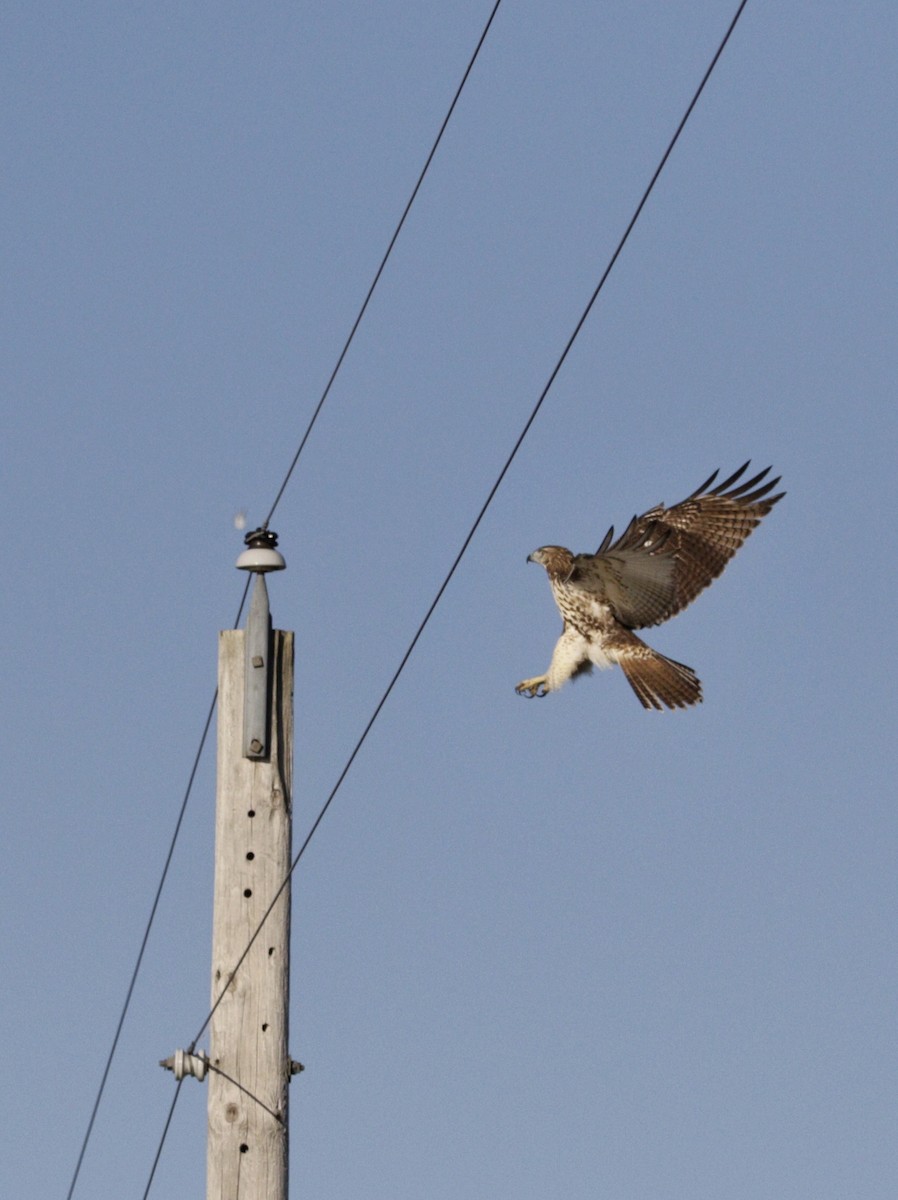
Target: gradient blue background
{"points": [[565, 948]]}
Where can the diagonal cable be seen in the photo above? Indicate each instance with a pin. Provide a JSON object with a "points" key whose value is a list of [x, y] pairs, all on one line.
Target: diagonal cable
{"points": [[143, 946], [482, 513], [383, 263], [277, 499], [149, 925], [165, 1129]]}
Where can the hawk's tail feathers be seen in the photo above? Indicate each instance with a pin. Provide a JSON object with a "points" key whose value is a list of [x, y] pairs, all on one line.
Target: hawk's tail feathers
{"points": [[659, 682]]}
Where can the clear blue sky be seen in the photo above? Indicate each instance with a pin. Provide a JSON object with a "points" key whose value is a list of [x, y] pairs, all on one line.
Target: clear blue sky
{"points": [[561, 948]]}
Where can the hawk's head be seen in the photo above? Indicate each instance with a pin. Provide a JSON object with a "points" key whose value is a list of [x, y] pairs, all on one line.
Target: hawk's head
{"points": [[558, 561]]}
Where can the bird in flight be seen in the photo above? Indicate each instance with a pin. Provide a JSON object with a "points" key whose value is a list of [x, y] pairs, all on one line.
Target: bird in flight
{"points": [[656, 567]]}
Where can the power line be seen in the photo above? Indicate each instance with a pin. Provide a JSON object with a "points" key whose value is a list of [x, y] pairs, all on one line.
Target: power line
{"points": [[450, 574], [143, 943], [149, 925], [165, 1129], [482, 513], [383, 263], [277, 499]]}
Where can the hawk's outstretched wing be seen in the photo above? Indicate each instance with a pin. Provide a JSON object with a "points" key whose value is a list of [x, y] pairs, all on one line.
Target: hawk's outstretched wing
{"points": [[668, 555]]}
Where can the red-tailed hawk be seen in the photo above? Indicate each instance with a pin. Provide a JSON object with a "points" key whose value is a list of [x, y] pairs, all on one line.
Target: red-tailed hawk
{"points": [[658, 566]]}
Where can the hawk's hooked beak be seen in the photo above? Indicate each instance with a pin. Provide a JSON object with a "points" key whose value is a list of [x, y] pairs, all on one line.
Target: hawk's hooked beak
{"points": [[529, 558]]}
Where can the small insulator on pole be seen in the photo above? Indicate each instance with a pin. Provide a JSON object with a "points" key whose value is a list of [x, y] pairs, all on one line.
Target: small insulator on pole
{"points": [[260, 554], [183, 1063]]}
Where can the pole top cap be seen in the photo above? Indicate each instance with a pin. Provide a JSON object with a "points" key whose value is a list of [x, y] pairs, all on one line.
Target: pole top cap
{"points": [[260, 554]]}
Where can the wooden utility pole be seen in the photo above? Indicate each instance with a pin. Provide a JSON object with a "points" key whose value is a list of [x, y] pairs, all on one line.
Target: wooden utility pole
{"points": [[248, 1064]]}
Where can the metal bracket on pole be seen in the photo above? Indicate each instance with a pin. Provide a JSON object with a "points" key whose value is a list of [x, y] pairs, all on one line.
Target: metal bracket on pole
{"points": [[259, 557], [256, 673]]}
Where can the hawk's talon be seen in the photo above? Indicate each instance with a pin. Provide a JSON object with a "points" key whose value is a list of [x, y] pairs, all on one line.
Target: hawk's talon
{"points": [[533, 687]]}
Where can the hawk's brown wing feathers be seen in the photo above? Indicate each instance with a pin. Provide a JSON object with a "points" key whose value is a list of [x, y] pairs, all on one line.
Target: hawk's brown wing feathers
{"points": [[668, 555]]}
